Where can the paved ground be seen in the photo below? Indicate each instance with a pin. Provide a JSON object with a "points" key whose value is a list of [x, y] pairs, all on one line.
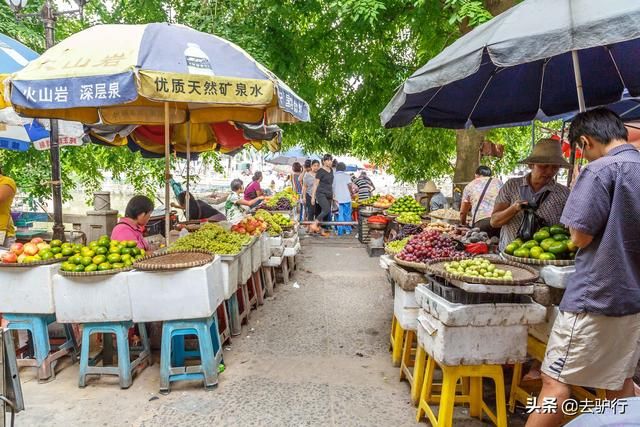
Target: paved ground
{"points": [[313, 355]]}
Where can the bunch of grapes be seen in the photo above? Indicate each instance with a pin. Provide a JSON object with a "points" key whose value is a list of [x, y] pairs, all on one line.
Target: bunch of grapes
{"points": [[396, 246], [428, 245], [212, 238], [408, 230], [274, 228], [281, 204]]}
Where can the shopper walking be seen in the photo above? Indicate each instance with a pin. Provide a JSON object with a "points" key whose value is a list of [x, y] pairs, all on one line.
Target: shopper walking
{"points": [[342, 196], [323, 192], [308, 181], [295, 179]]}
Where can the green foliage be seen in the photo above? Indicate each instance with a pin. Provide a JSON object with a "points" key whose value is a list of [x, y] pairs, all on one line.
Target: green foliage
{"points": [[471, 11], [345, 57]]}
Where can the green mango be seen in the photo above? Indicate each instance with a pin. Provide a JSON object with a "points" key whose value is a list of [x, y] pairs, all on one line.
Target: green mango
{"points": [[547, 256], [557, 229], [546, 243], [541, 235], [511, 248], [558, 248]]}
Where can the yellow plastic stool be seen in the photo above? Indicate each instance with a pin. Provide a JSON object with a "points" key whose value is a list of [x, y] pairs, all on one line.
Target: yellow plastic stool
{"points": [[449, 396], [520, 393], [396, 341], [416, 358]]}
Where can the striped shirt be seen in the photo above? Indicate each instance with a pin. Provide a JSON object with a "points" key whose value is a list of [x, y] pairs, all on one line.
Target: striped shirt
{"points": [[365, 188], [519, 189]]}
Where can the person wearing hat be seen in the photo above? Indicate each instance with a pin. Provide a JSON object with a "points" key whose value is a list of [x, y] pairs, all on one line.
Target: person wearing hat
{"points": [[436, 198], [537, 187]]}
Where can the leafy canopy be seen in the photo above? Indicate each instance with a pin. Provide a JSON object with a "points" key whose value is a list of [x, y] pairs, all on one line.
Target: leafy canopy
{"points": [[345, 57]]}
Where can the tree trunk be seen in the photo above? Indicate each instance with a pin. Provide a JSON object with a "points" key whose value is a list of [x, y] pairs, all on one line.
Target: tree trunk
{"points": [[468, 141]]}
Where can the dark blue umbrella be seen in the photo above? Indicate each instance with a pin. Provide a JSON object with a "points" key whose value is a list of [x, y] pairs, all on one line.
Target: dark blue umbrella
{"points": [[541, 59]]}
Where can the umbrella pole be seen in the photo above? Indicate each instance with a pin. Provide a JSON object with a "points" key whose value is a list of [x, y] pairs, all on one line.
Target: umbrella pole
{"points": [[187, 196], [578, 75], [581, 104], [167, 197]]}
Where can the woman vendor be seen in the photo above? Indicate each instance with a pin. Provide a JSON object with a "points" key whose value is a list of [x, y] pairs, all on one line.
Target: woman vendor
{"points": [[537, 187], [7, 192], [198, 209], [132, 225]]}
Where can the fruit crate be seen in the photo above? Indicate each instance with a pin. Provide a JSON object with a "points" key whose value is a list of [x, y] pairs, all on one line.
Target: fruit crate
{"points": [[28, 290], [471, 345], [363, 229], [90, 299], [256, 254], [265, 247], [443, 288], [230, 274], [522, 312], [245, 267], [190, 293]]}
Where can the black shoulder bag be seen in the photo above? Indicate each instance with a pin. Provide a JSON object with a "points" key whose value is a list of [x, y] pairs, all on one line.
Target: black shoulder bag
{"points": [[532, 222]]}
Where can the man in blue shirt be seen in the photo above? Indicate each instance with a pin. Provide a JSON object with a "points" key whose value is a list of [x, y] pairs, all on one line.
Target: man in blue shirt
{"points": [[595, 341]]}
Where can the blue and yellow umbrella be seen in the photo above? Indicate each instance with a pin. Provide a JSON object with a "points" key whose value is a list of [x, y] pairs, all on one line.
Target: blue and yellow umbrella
{"points": [[154, 74], [123, 74]]}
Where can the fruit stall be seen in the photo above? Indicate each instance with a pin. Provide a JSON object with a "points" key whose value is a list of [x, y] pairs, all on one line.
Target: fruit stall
{"points": [[467, 309], [205, 283]]}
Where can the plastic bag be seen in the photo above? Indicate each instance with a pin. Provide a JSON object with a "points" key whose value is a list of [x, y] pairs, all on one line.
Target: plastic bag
{"points": [[530, 224]]}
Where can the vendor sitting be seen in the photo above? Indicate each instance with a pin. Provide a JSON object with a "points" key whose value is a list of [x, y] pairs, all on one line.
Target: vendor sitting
{"points": [[132, 225], [198, 209], [537, 187], [234, 205]]}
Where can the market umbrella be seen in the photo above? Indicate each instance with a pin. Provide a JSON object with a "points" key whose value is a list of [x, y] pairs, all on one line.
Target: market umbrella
{"points": [[153, 74], [538, 60], [19, 133], [289, 157]]}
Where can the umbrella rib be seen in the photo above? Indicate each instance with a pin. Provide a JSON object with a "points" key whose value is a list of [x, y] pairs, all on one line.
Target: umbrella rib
{"points": [[429, 101], [544, 69], [496, 71], [616, 66]]}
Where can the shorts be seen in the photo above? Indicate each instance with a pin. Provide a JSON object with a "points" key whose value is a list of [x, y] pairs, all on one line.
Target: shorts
{"points": [[594, 351]]}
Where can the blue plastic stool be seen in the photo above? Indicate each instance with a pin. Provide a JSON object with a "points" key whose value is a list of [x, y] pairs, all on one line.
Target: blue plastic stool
{"points": [[37, 325], [125, 367], [173, 352]]}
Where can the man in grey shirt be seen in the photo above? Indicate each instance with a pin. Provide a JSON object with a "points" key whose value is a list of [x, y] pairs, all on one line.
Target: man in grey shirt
{"points": [[595, 340]]}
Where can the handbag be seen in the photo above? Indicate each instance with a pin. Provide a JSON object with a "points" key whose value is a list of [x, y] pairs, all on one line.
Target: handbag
{"points": [[475, 211], [532, 222]]}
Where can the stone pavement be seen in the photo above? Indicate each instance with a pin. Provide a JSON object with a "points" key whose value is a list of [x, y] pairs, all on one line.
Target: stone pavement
{"points": [[313, 355]]}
